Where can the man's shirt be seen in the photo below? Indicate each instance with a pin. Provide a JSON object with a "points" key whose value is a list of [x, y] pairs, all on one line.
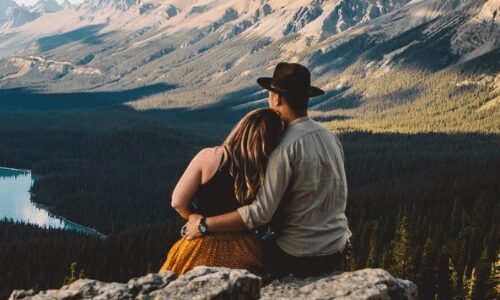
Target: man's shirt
{"points": [[305, 178]]}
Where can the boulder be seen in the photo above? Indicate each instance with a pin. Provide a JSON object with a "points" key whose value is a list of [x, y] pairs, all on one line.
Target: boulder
{"points": [[221, 283]]}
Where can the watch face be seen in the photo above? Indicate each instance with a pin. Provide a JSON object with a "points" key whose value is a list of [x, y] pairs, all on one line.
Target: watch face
{"points": [[202, 228]]}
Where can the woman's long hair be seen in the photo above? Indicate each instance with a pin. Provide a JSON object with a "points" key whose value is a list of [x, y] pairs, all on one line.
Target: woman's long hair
{"points": [[247, 150]]}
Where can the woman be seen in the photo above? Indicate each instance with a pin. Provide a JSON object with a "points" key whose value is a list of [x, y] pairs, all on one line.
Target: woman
{"points": [[222, 179]]}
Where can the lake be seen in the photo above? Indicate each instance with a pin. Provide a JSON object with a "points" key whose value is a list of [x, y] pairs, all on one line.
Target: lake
{"points": [[16, 204]]}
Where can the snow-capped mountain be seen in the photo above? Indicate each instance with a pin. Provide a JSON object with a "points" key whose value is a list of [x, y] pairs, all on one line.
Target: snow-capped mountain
{"points": [[5, 6], [45, 6], [220, 46], [12, 15], [66, 5]]}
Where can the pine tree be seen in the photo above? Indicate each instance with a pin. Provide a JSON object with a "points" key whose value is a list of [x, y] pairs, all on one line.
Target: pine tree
{"points": [[482, 283], [445, 290], [372, 251], [427, 277], [401, 253], [495, 279], [72, 274], [82, 275], [469, 284], [456, 284]]}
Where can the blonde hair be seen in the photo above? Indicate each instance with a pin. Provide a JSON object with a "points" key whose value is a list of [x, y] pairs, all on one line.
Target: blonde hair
{"points": [[247, 150]]}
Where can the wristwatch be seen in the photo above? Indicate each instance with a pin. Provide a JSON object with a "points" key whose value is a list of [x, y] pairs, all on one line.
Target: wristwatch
{"points": [[202, 227]]}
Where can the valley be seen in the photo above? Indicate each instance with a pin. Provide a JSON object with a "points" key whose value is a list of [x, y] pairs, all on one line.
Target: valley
{"points": [[108, 101]]}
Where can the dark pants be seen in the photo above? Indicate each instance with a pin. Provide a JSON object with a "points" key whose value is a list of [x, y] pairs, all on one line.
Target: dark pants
{"points": [[280, 263]]}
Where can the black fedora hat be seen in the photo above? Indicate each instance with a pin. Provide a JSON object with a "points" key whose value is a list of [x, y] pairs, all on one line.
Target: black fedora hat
{"points": [[290, 79]]}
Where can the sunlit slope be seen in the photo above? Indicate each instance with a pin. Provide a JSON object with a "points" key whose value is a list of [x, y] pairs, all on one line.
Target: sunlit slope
{"points": [[422, 65]]}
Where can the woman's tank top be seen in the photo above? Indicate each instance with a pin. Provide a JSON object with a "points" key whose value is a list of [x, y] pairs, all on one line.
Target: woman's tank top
{"points": [[216, 196]]}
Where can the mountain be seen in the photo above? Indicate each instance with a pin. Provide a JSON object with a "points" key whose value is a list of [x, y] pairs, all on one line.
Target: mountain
{"points": [[66, 5], [17, 16], [45, 6], [6, 5], [12, 15], [213, 50]]}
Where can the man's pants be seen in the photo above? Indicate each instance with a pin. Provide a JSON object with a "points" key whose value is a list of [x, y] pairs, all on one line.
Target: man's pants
{"points": [[280, 263]]}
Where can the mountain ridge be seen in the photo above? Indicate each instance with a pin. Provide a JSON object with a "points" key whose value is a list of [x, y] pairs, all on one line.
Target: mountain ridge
{"points": [[135, 43]]}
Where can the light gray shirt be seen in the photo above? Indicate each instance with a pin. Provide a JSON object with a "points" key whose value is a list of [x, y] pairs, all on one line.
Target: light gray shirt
{"points": [[304, 192]]}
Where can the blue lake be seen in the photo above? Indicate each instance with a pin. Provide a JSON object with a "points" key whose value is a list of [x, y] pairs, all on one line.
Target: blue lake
{"points": [[16, 204]]}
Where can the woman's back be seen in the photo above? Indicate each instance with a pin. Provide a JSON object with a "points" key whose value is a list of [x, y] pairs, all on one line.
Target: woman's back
{"points": [[216, 196]]}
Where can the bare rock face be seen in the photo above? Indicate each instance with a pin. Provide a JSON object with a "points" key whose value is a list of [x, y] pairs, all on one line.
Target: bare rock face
{"points": [[363, 284], [200, 283], [221, 283]]}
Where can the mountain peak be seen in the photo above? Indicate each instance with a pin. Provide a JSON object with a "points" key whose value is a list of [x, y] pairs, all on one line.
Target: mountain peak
{"points": [[45, 6], [67, 5], [4, 6]]}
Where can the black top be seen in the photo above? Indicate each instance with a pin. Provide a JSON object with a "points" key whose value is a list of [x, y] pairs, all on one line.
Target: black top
{"points": [[216, 196]]}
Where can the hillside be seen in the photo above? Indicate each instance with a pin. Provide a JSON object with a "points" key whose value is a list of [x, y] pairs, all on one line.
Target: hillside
{"points": [[108, 101], [211, 54]]}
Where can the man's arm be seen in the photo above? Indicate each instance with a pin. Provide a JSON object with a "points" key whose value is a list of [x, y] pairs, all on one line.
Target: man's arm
{"points": [[228, 222], [261, 210]]}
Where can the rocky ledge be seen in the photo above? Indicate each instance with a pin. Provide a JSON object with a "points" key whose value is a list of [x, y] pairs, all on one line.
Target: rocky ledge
{"points": [[221, 283]]}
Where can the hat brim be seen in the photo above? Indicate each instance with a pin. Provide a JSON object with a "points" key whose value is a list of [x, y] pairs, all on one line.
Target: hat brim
{"points": [[266, 83]]}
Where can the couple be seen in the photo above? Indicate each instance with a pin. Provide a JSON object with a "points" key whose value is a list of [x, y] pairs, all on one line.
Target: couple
{"points": [[277, 169]]}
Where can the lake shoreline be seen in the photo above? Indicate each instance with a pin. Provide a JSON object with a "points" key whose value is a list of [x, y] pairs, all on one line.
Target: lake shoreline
{"points": [[14, 169], [48, 210], [73, 226]]}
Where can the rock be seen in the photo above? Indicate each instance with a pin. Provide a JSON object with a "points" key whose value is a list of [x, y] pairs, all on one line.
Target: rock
{"points": [[151, 282], [200, 283], [212, 283], [222, 283], [363, 284]]}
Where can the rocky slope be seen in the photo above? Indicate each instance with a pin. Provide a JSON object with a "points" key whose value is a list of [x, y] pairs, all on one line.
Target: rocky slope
{"points": [[220, 283], [212, 51], [145, 34], [12, 15]]}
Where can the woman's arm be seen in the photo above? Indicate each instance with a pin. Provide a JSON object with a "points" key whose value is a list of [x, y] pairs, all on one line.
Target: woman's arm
{"points": [[188, 185]]}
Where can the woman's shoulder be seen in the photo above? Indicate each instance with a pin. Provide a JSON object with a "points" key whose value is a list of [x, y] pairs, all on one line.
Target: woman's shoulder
{"points": [[208, 160], [210, 153]]}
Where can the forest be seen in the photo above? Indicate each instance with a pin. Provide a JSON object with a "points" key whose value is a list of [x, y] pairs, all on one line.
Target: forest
{"points": [[424, 206]]}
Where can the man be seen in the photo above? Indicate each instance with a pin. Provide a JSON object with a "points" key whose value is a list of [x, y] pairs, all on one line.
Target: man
{"points": [[304, 191]]}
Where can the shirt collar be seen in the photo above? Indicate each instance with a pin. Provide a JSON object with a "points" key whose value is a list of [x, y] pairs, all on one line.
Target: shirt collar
{"points": [[299, 120]]}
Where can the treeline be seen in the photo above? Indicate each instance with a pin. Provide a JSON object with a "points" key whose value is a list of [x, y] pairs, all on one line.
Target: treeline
{"points": [[108, 179], [425, 207], [32, 257], [409, 100]]}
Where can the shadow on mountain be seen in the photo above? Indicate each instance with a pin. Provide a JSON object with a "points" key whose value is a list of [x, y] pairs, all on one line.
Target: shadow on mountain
{"points": [[487, 63], [335, 100], [229, 108], [331, 118], [340, 57], [29, 100], [402, 95], [413, 35], [88, 35]]}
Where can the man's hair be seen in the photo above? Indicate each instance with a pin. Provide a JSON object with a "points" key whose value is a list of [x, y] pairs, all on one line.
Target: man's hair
{"points": [[297, 102]]}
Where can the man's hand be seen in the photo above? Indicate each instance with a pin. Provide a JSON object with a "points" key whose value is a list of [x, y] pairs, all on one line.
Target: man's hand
{"points": [[192, 231]]}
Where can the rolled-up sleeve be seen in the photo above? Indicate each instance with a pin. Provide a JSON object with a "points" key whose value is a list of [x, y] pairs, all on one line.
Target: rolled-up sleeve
{"points": [[276, 180]]}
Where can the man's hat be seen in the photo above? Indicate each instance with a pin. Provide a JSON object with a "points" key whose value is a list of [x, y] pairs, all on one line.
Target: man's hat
{"points": [[290, 79]]}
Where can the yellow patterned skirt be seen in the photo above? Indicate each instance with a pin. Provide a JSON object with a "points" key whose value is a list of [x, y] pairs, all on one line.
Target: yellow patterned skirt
{"points": [[230, 250]]}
